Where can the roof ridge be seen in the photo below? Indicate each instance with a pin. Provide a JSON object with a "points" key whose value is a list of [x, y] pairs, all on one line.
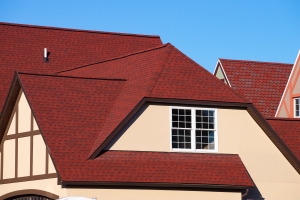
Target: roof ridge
{"points": [[115, 58], [75, 77], [255, 61], [77, 30], [162, 68], [218, 80]]}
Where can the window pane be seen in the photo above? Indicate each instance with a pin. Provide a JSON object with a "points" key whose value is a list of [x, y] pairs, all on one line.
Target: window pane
{"points": [[181, 138], [181, 112], [175, 124], [174, 118], [174, 145], [174, 111], [188, 112], [199, 112], [188, 125], [205, 112]]}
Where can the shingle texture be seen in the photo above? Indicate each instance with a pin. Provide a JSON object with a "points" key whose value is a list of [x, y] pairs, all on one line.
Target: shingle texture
{"points": [[162, 72], [288, 131], [262, 83], [70, 111], [22, 49], [159, 167]]}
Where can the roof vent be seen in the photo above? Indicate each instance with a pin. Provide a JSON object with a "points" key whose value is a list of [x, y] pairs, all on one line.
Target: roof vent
{"points": [[46, 55]]}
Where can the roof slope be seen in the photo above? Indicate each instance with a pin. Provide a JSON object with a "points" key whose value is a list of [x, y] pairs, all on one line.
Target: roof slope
{"points": [[69, 111], [288, 131], [162, 72], [159, 167], [261, 82], [22, 49]]}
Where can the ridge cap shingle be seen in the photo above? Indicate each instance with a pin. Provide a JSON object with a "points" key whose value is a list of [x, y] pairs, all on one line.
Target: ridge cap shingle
{"points": [[265, 62], [76, 30]]}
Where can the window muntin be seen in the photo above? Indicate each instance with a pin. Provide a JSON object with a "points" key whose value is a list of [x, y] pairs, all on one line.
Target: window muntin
{"points": [[193, 129], [297, 107]]}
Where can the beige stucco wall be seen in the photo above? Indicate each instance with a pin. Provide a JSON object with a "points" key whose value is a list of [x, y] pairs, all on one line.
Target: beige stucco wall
{"points": [[9, 159], [297, 87], [24, 122], [39, 155], [219, 73], [149, 128], [282, 112], [238, 133], [12, 126], [50, 185], [51, 168], [23, 156]]}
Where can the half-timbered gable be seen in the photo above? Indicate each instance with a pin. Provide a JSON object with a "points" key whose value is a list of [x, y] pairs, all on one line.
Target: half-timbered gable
{"points": [[24, 155]]}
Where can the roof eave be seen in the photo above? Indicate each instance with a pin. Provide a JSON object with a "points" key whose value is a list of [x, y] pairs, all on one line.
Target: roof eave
{"points": [[89, 184]]}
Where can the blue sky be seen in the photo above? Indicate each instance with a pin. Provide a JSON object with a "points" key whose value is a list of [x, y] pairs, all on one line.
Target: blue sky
{"points": [[205, 30]]}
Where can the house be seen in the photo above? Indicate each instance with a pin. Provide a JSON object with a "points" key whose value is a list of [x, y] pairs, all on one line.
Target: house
{"points": [[123, 116]]}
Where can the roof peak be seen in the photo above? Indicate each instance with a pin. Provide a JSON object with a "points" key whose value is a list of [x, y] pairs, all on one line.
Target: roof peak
{"points": [[76, 30], [255, 61]]}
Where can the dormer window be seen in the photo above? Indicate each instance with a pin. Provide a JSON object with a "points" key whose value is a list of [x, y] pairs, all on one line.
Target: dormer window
{"points": [[297, 110], [193, 129]]}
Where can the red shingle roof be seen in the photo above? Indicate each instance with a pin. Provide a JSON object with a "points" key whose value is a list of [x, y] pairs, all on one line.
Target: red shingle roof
{"points": [[70, 111], [262, 83], [288, 131], [22, 49], [158, 167], [162, 72]]}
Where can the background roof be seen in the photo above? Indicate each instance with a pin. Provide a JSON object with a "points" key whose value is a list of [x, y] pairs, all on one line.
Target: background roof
{"points": [[262, 83], [204, 30]]}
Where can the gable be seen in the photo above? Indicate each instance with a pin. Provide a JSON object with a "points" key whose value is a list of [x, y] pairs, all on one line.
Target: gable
{"points": [[149, 130], [220, 73], [286, 107], [23, 153]]}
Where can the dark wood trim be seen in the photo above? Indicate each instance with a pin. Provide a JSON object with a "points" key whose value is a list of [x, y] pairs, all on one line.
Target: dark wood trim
{"points": [[20, 135], [17, 113], [9, 123], [33, 192], [80, 184], [173, 102], [28, 178], [2, 155], [9, 105], [31, 121], [16, 157], [47, 162], [31, 155]]}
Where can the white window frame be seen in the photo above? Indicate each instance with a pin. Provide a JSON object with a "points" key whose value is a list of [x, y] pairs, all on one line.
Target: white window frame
{"points": [[295, 107], [193, 131]]}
